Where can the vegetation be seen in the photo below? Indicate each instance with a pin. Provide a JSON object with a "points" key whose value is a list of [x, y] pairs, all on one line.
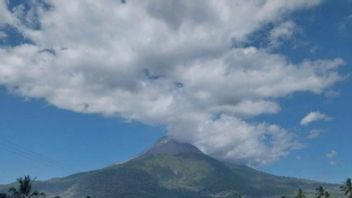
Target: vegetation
{"points": [[300, 194], [347, 188], [175, 170], [25, 190], [321, 192]]}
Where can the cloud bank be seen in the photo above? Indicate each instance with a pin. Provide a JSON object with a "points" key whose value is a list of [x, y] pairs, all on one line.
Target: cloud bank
{"points": [[176, 63]]}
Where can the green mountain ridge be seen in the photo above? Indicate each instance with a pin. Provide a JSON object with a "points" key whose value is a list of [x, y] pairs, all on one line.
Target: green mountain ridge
{"points": [[174, 169]]}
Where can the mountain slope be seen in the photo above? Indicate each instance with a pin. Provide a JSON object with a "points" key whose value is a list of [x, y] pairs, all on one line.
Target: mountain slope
{"points": [[173, 169]]}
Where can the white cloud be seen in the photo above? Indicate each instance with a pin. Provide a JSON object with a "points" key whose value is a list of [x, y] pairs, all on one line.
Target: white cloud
{"points": [[232, 138], [5, 15], [313, 117], [2, 35], [331, 154], [315, 133], [169, 63], [345, 25], [283, 31]]}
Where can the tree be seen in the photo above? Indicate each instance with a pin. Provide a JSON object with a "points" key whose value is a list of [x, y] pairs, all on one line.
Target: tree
{"points": [[321, 193], [347, 188], [25, 189], [300, 194], [3, 195], [326, 194]]}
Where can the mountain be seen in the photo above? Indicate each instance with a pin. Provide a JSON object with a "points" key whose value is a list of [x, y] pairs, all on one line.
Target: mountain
{"points": [[169, 146], [174, 169]]}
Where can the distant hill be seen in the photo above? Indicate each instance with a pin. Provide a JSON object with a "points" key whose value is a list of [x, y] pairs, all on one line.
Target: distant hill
{"points": [[172, 169]]}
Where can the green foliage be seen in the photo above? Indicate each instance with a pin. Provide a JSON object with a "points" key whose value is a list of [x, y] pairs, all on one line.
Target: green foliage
{"points": [[321, 192], [26, 183], [347, 188], [24, 189], [3, 195], [300, 194], [182, 175]]}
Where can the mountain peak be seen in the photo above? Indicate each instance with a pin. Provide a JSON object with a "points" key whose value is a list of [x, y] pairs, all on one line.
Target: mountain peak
{"points": [[170, 146], [165, 140]]}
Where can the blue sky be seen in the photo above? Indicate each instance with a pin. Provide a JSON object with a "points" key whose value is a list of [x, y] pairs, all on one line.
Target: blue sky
{"points": [[76, 100], [43, 141]]}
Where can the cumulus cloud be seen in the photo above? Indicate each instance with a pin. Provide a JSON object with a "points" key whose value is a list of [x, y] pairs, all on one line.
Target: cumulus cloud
{"points": [[282, 32], [5, 15], [313, 117], [171, 63], [232, 138]]}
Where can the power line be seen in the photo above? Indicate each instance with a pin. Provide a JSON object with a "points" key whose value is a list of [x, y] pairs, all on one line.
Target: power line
{"points": [[23, 152]]}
